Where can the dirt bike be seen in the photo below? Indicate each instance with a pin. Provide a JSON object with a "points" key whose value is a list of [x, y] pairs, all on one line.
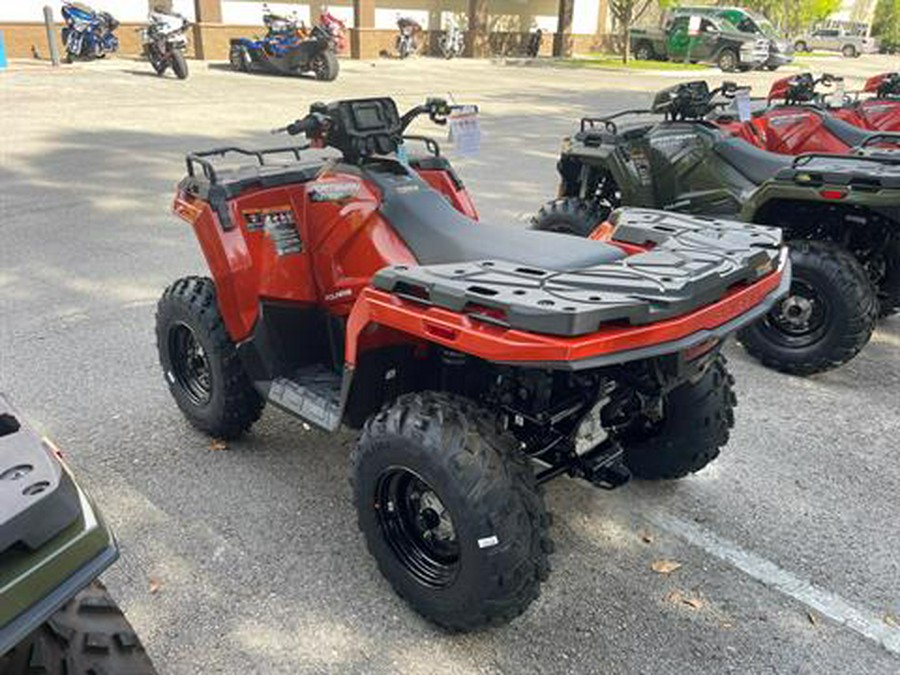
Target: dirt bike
{"points": [[56, 618], [479, 360], [840, 213]]}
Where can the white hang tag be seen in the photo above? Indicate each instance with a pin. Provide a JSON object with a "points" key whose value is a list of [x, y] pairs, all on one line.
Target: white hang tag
{"points": [[742, 101], [465, 131], [840, 92]]}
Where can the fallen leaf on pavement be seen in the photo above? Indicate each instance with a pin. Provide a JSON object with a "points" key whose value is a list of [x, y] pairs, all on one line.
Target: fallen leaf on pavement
{"points": [[646, 537], [695, 603], [890, 620], [155, 585], [813, 619], [218, 445], [664, 566]]}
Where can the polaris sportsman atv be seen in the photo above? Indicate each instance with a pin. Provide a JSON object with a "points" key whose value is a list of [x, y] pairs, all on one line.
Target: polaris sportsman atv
{"points": [[287, 49], [55, 617], [357, 287], [878, 112], [802, 123], [840, 213]]}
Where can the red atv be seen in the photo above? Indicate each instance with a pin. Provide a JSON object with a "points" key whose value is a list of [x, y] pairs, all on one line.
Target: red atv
{"points": [[881, 111], [480, 361], [802, 123]]}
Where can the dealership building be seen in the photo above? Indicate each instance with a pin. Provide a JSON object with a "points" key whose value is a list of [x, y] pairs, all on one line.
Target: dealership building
{"points": [[493, 26]]}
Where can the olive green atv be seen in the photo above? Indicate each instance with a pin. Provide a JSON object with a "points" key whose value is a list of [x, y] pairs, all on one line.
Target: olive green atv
{"points": [[55, 617]]}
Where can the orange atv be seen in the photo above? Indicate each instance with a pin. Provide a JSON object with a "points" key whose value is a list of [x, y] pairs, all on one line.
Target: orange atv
{"points": [[357, 287]]}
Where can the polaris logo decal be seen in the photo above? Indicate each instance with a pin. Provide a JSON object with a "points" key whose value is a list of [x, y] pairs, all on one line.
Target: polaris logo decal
{"points": [[333, 192], [338, 295]]}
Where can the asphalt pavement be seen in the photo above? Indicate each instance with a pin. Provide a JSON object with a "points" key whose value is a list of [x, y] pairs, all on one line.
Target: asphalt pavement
{"points": [[247, 559]]}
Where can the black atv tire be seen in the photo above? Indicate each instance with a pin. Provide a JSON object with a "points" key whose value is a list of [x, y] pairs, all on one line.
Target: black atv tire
{"points": [[239, 59], [697, 423], [487, 568], [179, 64], [728, 60], [190, 335], [847, 307], [643, 51], [889, 284], [326, 66], [88, 635], [568, 215]]}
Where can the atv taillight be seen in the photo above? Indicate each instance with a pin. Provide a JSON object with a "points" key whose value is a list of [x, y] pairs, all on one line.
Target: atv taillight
{"points": [[832, 194]]}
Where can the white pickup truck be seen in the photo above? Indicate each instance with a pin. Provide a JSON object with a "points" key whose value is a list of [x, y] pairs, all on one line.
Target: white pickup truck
{"points": [[836, 40]]}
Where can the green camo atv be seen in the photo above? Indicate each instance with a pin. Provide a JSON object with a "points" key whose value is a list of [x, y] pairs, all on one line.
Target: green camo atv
{"points": [[55, 617], [840, 215]]}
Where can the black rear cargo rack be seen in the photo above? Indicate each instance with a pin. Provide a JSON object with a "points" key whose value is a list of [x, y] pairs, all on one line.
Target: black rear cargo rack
{"points": [[209, 171], [693, 262]]}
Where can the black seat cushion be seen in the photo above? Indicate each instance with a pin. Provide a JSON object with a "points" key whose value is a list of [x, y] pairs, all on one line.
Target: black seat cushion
{"points": [[845, 131], [756, 164], [437, 233]]}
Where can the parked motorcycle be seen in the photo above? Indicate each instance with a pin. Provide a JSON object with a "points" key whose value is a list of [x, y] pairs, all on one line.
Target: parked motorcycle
{"points": [[88, 34], [164, 42], [407, 44], [453, 41]]}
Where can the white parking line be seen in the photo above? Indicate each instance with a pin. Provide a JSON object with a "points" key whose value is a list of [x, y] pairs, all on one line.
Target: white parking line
{"points": [[862, 621]]}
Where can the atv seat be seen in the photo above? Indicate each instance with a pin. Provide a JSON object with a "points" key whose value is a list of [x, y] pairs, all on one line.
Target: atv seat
{"points": [[436, 233], [845, 132], [756, 164]]}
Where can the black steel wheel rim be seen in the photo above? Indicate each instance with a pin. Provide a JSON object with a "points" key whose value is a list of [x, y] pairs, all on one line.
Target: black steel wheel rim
{"points": [[801, 319], [190, 364], [417, 527]]}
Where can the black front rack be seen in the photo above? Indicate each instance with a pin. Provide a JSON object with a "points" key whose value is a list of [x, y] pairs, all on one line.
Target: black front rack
{"points": [[195, 159], [607, 122]]}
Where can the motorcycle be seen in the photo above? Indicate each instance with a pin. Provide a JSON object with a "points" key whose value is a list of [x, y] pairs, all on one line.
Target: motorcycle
{"points": [[407, 44], [839, 214], [287, 49], [453, 41], [87, 33], [802, 123], [164, 42]]}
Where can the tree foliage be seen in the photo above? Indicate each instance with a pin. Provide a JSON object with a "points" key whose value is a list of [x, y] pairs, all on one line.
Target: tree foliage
{"points": [[886, 25], [629, 12]]}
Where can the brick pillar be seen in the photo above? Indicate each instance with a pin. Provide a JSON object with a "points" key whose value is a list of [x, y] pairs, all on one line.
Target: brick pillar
{"points": [[562, 39], [207, 12], [477, 44], [363, 44], [316, 9]]}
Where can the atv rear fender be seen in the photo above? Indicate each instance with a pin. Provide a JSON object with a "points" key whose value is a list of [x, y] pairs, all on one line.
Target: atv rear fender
{"points": [[592, 154], [53, 541], [661, 301]]}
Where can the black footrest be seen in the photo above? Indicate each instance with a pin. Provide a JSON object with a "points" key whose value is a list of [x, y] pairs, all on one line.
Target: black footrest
{"points": [[313, 394]]}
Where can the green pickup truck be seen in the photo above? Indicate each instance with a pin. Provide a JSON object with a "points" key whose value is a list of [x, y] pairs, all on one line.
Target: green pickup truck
{"points": [[55, 617], [705, 39]]}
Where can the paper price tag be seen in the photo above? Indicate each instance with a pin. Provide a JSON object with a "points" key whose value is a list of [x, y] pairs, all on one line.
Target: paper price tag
{"points": [[465, 131], [742, 101]]}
